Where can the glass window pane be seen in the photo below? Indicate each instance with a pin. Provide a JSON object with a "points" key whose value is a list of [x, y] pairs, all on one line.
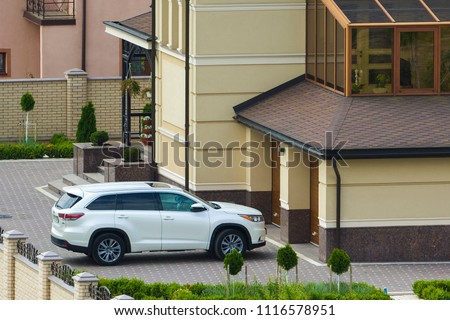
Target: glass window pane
{"points": [[320, 42], [330, 50], [445, 59], [2, 62], [407, 10], [175, 202], [440, 8], [137, 201], [340, 58], [361, 11], [310, 44], [372, 60], [103, 203], [417, 59]]}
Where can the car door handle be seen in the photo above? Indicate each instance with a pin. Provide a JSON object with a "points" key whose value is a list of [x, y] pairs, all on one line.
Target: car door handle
{"points": [[122, 217], [169, 218]]}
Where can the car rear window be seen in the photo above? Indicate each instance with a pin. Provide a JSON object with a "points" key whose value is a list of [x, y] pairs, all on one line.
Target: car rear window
{"points": [[67, 201]]}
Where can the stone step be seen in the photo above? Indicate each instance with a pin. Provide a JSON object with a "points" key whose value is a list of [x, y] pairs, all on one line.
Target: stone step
{"points": [[101, 170], [94, 177], [57, 186], [73, 180]]}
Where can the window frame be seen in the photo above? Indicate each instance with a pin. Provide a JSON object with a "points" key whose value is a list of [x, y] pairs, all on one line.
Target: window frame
{"points": [[6, 72]]}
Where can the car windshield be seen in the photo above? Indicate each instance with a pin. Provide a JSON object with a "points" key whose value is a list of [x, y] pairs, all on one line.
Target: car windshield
{"points": [[67, 201], [210, 204]]}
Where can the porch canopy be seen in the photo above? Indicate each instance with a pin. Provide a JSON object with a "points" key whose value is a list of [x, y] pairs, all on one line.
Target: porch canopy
{"points": [[327, 124]]}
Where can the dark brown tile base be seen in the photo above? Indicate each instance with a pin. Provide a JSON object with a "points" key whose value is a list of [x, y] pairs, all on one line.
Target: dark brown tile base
{"points": [[389, 244], [295, 225]]}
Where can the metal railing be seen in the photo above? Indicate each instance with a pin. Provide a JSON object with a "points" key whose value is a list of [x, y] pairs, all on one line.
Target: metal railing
{"points": [[99, 293], [28, 251], [63, 272], [1, 232], [52, 9]]}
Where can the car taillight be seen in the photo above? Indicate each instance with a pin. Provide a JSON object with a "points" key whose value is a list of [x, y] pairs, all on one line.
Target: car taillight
{"points": [[70, 216]]}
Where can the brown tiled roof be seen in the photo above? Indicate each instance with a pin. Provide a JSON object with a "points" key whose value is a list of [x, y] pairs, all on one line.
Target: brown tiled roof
{"points": [[141, 23], [302, 112]]}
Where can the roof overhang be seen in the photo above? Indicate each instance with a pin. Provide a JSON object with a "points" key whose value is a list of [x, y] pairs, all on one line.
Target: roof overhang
{"points": [[131, 35]]}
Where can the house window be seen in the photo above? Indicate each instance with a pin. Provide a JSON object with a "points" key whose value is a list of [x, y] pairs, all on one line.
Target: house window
{"points": [[2, 63]]}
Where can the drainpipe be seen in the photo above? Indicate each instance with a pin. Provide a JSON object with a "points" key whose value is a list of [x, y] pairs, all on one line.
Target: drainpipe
{"points": [[83, 39], [186, 102], [153, 58], [338, 203]]}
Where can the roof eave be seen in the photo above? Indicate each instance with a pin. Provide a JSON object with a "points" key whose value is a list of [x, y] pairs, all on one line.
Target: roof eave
{"points": [[134, 36]]}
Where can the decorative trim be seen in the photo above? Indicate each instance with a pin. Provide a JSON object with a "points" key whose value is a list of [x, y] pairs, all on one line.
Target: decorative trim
{"points": [[248, 59], [247, 7], [385, 222], [174, 136]]}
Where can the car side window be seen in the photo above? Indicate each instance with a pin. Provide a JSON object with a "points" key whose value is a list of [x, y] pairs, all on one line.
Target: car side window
{"points": [[137, 201], [175, 202], [103, 203]]}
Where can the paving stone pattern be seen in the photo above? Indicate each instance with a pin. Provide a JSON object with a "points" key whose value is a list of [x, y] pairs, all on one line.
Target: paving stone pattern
{"points": [[30, 213]]}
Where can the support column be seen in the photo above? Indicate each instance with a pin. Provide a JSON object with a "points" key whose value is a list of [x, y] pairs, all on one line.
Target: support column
{"points": [[10, 240], [180, 26], [45, 261], [294, 196], [76, 98], [82, 281]]}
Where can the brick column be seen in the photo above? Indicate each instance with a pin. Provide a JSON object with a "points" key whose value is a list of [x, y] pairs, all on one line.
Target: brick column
{"points": [[7, 287], [45, 261], [76, 98], [81, 283]]}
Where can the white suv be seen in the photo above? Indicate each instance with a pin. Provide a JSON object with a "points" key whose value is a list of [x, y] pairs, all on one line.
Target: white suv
{"points": [[107, 220]]}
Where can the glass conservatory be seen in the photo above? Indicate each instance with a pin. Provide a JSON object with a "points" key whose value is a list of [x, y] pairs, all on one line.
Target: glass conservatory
{"points": [[379, 47]]}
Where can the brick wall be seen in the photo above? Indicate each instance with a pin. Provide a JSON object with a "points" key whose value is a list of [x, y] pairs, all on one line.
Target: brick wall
{"points": [[58, 105]]}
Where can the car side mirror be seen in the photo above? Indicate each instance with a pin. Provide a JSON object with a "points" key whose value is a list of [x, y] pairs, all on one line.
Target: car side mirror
{"points": [[197, 207]]}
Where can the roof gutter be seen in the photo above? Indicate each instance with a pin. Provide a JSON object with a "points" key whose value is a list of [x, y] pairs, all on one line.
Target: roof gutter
{"points": [[338, 203], [186, 99]]}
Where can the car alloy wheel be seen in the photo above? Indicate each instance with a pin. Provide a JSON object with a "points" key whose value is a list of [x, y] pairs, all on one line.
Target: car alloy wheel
{"points": [[108, 249], [229, 240]]}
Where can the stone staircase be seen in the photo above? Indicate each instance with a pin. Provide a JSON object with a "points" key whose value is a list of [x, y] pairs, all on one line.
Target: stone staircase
{"points": [[71, 179]]}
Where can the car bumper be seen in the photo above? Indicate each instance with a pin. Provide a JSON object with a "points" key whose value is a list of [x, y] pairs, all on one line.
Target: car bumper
{"points": [[257, 245], [66, 245]]}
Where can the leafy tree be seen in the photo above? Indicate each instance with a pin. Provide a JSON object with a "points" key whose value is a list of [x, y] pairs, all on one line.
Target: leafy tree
{"points": [[287, 258], [27, 103], [87, 124], [339, 262]]}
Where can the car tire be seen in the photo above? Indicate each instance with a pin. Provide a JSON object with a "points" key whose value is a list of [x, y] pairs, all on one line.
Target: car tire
{"points": [[227, 240], [108, 249]]}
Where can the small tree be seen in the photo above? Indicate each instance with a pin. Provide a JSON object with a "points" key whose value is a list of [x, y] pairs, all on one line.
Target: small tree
{"points": [[338, 262], [287, 258], [27, 103], [233, 263], [87, 124]]}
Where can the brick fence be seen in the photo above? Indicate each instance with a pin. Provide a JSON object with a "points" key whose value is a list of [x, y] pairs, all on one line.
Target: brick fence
{"points": [[59, 102], [28, 275]]}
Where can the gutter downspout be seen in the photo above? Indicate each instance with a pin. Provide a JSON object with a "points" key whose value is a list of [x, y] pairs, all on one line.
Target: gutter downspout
{"points": [[186, 102], [83, 38], [338, 203], [153, 58]]}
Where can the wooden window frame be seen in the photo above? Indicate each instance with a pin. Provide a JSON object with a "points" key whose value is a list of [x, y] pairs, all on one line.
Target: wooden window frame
{"points": [[7, 58]]}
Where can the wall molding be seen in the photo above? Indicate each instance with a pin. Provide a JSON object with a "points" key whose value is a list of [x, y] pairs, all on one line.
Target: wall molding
{"points": [[367, 223], [247, 7]]}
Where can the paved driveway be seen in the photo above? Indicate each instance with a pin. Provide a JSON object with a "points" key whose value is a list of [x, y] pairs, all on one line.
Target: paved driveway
{"points": [[30, 213]]}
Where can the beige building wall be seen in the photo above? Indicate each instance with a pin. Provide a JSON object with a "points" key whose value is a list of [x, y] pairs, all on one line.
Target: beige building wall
{"points": [[238, 50], [386, 192]]}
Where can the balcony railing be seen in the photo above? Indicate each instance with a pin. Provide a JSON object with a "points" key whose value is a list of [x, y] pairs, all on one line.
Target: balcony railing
{"points": [[50, 11]]}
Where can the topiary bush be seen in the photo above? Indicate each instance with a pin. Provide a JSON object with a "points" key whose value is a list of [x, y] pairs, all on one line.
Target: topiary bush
{"points": [[287, 258], [233, 262], [98, 138], [339, 261], [87, 124], [131, 154]]}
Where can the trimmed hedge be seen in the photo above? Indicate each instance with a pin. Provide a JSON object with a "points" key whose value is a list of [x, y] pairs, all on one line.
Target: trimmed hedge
{"points": [[140, 290], [36, 151], [432, 289]]}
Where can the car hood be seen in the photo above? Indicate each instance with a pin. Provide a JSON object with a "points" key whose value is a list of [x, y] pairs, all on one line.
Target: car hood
{"points": [[237, 208]]}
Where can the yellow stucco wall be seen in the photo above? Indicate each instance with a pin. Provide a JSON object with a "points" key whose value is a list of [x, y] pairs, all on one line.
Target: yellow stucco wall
{"points": [[239, 49], [387, 192]]}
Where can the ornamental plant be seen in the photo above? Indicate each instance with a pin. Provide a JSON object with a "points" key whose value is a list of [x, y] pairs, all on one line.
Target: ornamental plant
{"points": [[27, 103], [338, 262], [98, 138], [131, 154], [233, 263], [87, 124], [287, 258]]}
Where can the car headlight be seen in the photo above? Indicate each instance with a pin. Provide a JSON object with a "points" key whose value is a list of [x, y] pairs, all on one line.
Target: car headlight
{"points": [[252, 218]]}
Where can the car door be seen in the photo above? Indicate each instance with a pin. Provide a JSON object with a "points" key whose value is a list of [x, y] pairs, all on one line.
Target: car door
{"points": [[138, 215], [182, 229]]}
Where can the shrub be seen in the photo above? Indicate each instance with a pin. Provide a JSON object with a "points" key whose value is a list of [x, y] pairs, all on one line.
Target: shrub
{"points": [[87, 124], [59, 138], [432, 289], [98, 138], [131, 154], [27, 102], [339, 261], [287, 258], [233, 262]]}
